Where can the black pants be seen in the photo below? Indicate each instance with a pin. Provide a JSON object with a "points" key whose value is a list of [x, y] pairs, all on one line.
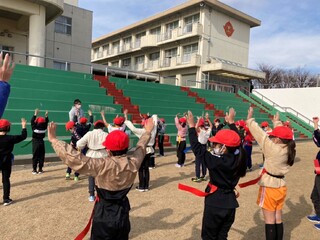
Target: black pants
{"points": [[200, 164], [160, 144], [91, 185], [180, 154], [111, 221], [315, 195], [6, 166], [217, 222], [152, 162], [144, 173], [38, 151]]}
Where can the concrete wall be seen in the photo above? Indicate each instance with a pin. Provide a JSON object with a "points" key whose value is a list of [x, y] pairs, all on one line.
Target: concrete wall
{"points": [[234, 48], [75, 47], [303, 100]]}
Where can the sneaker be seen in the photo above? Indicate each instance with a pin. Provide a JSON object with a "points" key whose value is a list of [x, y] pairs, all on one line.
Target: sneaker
{"points": [[152, 168], [76, 179], [317, 226], [40, 171], [178, 165], [34, 172], [313, 218], [92, 198], [203, 178], [139, 189], [67, 175], [195, 179], [260, 166], [146, 189], [7, 202]]}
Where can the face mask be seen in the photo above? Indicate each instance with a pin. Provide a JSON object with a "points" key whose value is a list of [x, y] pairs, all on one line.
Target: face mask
{"points": [[78, 106], [218, 150]]}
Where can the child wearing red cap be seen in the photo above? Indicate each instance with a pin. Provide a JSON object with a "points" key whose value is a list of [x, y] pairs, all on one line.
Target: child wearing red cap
{"points": [[315, 194], [279, 150], [181, 125], [78, 130], [217, 126], [144, 173], [203, 136], [226, 164], [7, 143], [6, 70], [118, 122], [114, 177], [93, 141], [39, 127]]}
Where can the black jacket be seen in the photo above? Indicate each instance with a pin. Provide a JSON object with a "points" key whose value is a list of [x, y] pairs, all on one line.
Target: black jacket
{"points": [[39, 129], [221, 172]]}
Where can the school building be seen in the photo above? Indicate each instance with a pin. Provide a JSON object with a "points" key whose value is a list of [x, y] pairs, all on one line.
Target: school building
{"points": [[47, 33], [200, 43]]}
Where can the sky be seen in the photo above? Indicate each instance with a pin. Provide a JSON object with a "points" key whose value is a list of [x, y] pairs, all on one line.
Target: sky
{"points": [[289, 35]]}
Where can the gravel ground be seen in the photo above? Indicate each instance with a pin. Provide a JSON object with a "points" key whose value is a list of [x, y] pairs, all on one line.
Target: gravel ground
{"points": [[47, 206]]}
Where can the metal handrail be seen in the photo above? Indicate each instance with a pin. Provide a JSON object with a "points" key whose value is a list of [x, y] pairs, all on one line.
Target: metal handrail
{"points": [[284, 109], [49, 58]]}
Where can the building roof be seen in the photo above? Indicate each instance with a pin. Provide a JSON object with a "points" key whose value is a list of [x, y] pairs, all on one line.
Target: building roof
{"points": [[253, 22]]}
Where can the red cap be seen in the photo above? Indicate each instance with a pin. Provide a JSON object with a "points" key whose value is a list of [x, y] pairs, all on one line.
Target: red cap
{"points": [[201, 122], [264, 124], [182, 120], [4, 123], [98, 122], [240, 123], [227, 137], [118, 121], [145, 116], [217, 120], [116, 141], [69, 125], [40, 120], [162, 120], [83, 120], [282, 132], [286, 123]]}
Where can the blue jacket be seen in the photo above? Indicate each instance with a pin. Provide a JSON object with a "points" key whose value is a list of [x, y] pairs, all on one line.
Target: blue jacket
{"points": [[4, 95]]}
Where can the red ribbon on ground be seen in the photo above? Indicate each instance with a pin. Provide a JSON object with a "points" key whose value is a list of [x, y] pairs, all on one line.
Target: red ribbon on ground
{"points": [[87, 228], [196, 191], [316, 166], [254, 181]]}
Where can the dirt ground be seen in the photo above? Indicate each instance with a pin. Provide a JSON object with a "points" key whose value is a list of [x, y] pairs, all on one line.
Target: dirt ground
{"points": [[47, 206]]}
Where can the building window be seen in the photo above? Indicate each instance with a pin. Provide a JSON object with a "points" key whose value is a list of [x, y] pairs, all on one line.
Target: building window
{"points": [[154, 56], [115, 47], [155, 31], [63, 25], [126, 63], [172, 25], [140, 59], [115, 64], [105, 49], [61, 65], [171, 53], [189, 21], [127, 43], [4, 50], [188, 51], [138, 39]]}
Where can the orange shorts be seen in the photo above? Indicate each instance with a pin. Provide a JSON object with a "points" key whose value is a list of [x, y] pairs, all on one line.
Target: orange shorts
{"points": [[271, 199]]}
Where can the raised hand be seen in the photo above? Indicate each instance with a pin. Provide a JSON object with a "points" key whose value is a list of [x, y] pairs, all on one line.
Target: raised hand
{"points": [[46, 114], [36, 111], [276, 117], [231, 115], [52, 128], [250, 112], [90, 112], [23, 122], [190, 119], [149, 124], [6, 67]]}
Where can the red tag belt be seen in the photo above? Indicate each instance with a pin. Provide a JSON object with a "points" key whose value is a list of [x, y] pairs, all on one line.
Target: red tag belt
{"points": [[87, 228], [196, 191], [316, 166]]}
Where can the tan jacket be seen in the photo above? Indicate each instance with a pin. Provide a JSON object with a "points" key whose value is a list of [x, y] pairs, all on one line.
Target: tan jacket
{"points": [[110, 173], [276, 156]]}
